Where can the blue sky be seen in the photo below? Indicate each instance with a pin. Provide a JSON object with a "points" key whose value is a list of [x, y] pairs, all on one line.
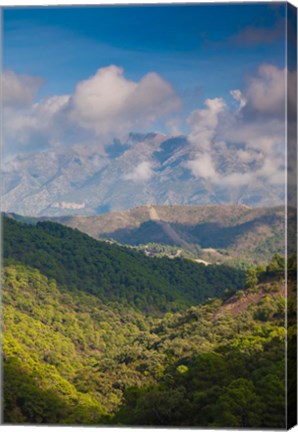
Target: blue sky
{"points": [[202, 50]]}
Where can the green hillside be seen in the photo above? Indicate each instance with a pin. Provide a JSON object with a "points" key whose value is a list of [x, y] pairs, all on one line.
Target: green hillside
{"points": [[98, 334], [114, 273], [70, 359]]}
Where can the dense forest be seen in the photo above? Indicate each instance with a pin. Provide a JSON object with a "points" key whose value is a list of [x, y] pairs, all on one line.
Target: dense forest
{"points": [[208, 350], [115, 273]]}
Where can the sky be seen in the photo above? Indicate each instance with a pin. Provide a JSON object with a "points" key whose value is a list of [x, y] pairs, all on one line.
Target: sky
{"points": [[90, 74], [199, 49]]}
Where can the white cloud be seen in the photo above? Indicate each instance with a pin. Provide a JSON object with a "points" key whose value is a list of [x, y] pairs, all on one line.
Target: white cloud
{"points": [[203, 123], [266, 91], [173, 126], [265, 136], [238, 96], [255, 131], [99, 99], [142, 172], [206, 118], [247, 156], [34, 127], [234, 179], [52, 105], [109, 103], [202, 166], [19, 90], [104, 105]]}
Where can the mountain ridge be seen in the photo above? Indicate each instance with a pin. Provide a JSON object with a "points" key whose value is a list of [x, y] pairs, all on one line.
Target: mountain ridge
{"points": [[221, 232], [140, 169]]}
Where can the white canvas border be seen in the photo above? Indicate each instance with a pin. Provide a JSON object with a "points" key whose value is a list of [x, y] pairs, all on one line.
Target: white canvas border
{"points": [[57, 3]]}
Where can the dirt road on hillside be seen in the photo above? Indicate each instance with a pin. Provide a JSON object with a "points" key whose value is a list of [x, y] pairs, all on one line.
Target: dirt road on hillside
{"points": [[167, 228]]}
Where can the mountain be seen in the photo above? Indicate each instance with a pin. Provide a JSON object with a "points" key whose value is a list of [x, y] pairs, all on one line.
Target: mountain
{"points": [[214, 233], [141, 169], [114, 273]]}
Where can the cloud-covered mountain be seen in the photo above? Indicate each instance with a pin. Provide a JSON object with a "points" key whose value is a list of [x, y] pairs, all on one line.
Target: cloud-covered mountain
{"points": [[140, 169], [73, 153]]}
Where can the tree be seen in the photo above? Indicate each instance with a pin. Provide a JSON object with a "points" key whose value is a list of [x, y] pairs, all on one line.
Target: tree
{"points": [[251, 278], [276, 265], [239, 406]]}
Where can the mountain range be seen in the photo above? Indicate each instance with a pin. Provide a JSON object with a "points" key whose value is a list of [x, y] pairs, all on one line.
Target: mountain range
{"points": [[140, 169]]}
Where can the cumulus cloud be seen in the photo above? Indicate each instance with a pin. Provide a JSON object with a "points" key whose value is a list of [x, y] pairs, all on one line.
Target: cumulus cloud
{"points": [[203, 123], [270, 91], [19, 90], [110, 103], [52, 105], [106, 104], [266, 92], [34, 127], [207, 118], [250, 139], [99, 99], [142, 172]]}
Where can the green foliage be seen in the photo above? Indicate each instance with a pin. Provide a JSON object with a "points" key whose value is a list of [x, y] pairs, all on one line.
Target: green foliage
{"points": [[276, 265], [69, 359], [25, 401], [240, 294], [60, 339], [182, 369], [219, 390], [239, 406], [77, 351], [251, 278], [114, 273]]}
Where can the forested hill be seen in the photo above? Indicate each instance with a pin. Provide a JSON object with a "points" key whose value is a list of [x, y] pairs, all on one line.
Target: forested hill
{"points": [[114, 273], [213, 233], [69, 359], [221, 232]]}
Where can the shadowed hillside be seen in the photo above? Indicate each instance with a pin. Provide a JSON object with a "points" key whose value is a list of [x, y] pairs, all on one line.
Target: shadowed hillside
{"points": [[222, 232]]}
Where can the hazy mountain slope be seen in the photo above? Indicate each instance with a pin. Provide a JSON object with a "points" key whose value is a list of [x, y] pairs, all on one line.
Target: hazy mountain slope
{"points": [[141, 169], [238, 231]]}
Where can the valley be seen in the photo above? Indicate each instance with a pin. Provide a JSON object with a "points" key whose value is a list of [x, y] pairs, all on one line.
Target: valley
{"points": [[99, 334]]}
